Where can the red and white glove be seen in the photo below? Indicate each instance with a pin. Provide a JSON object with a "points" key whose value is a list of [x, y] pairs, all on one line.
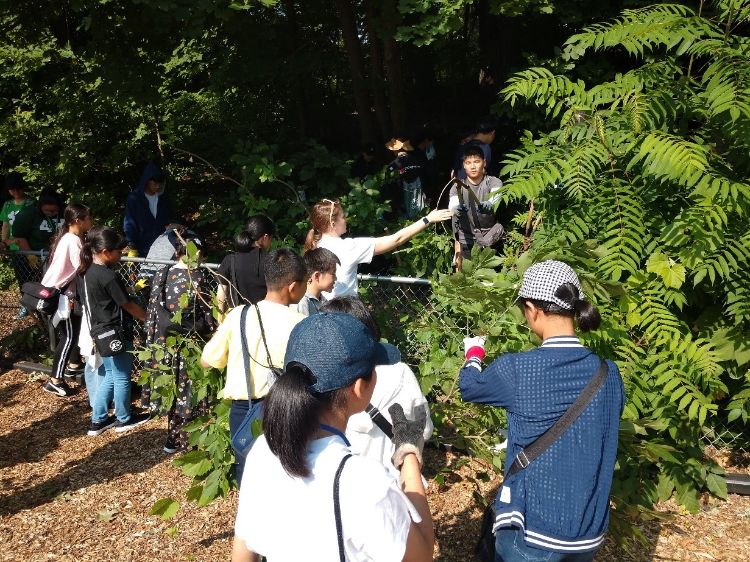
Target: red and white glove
{"points": [[474, 351]]}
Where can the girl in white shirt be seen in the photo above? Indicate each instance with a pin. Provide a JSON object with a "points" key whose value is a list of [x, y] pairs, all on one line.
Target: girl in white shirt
{"points": [[302, 467], [329, 225]]}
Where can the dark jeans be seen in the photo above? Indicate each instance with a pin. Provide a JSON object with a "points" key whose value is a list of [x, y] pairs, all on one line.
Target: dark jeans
{"points": [[67, 344], [510, 547], [237, 414]]}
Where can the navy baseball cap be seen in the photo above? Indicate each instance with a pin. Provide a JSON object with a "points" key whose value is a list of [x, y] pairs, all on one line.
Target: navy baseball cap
{"points": [[337, 349]]}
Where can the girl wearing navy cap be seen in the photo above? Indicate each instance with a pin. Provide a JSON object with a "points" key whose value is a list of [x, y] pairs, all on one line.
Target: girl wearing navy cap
{"points": [[304, 496], [557, 506]]}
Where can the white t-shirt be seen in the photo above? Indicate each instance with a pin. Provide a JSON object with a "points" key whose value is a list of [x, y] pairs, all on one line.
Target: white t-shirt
{"points": [[224, 349], [290, 519], [351, 252], [395, 384]]}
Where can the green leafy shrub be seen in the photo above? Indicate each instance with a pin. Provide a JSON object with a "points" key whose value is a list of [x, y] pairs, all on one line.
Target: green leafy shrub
{"points": [[642, 186]]}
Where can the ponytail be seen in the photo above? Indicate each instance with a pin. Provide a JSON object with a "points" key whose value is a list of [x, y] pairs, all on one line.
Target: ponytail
{"points": [[72, 213], [291, 417], [312, 239], [98, 239], [586, 314]]}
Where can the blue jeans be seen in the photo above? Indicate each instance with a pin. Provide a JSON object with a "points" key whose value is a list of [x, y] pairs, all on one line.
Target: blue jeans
{"points": [[510, 547], [93, 378], [116, 385], [237, 414]]}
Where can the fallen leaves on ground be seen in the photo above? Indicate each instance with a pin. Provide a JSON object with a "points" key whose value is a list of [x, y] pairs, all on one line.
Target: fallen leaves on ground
{"points": [[67, 496]]}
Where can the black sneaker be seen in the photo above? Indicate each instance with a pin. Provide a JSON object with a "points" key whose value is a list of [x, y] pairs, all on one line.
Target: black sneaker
{"points": [[135, 420], [58, 388], [170, 447], [72, 371], [97, 428]]}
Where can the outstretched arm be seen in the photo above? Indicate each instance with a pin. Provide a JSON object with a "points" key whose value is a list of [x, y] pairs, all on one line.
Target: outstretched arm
{"points": [[386, 244]]}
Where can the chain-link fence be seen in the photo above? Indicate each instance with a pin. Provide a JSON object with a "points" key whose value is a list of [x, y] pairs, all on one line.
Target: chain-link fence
{"points": [[396, 303]]}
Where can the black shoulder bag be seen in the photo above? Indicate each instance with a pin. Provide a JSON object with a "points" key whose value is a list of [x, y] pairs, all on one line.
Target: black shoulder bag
{"points": [[484, 237], [108, 340], [485, 549]]}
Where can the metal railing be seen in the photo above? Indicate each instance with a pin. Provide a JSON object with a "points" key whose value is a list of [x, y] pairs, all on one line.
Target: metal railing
{"points": [[396, 302]]}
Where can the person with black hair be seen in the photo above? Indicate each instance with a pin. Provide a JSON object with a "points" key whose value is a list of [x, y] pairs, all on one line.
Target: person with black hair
{"points": [[554, 501], [266, 330], [105, 301], [16, 186], [181, 287], [348, 507], [35, 226], [396, 385], [321, 266], [63, 262], [482, 136], [241, 278], [473, 202], [147, 210]]}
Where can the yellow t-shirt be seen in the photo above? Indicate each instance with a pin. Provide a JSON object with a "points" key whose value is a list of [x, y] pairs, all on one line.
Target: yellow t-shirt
{"points": [[225, 347]]}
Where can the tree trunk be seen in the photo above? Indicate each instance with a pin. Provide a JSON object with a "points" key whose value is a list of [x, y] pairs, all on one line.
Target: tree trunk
{"points": [[377, 75], [295, 84], [393, 67], [356, 65]]}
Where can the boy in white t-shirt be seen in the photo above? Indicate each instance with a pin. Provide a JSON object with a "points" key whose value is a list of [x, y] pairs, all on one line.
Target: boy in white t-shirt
{"points": [[321, 267], [396, 384]]}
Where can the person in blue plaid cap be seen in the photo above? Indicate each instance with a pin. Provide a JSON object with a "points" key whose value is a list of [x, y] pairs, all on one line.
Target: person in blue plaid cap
{"points": [[555, 506]]}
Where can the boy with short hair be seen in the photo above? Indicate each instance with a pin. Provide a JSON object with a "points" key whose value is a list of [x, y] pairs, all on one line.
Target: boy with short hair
{"points": [[268, 323], [16, 186], [474, 206], [321, 267]]}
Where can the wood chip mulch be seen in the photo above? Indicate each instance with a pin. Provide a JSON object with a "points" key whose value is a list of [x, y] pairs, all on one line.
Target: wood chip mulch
{"points": [[66, 496]]}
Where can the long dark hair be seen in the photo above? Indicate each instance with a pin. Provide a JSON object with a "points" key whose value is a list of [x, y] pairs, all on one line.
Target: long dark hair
{"points": [[72, 213], [98, 239], [586, 314], [291, 416]]}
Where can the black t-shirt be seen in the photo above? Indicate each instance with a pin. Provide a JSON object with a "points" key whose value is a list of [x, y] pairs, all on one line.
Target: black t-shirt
{"points": [[251, 281], [106, 295]]}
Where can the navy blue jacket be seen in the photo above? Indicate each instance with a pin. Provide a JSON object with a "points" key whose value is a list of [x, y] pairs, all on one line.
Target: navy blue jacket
{"points": [[561, 500], [140, 226]]}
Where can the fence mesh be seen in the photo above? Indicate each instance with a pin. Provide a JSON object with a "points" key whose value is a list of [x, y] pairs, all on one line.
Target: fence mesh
{"points": [[396, 303]]}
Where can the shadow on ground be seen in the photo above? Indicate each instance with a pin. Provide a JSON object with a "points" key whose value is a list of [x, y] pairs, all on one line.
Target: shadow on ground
{"points": [[130, 453]]}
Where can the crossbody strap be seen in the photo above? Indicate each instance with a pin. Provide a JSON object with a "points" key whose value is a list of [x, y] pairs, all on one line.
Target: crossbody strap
{"points": [[379, 419], [543, 442], [473, 199], [337, 508], [234, 291], [263, 336], [245, 352]]}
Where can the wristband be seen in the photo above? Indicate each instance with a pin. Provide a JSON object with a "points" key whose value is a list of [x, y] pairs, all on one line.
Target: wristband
{"points": [[425, 220], [475, 351]]}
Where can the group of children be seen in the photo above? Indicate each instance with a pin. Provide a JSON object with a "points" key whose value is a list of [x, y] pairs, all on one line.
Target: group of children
{"points": [[344, 419]]}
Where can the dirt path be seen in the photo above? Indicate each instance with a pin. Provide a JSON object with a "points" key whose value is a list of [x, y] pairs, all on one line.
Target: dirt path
{"points": [[66, 496]]}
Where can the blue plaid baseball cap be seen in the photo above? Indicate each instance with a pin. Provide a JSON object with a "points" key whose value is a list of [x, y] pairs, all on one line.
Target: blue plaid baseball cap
{"points": [[337, 349]]}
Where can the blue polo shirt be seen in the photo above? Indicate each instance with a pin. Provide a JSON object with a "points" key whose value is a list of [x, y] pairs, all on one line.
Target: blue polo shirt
{"points": [[561, 500]]}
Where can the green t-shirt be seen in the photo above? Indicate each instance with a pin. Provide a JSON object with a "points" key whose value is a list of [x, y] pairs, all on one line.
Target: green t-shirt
{"points": [[35, 227], [8, 214]]}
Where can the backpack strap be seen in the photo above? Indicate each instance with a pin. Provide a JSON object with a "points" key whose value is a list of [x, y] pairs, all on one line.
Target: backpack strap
{"points": [[526, 456], [245, 352], [378, 419], [337, 508]]}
